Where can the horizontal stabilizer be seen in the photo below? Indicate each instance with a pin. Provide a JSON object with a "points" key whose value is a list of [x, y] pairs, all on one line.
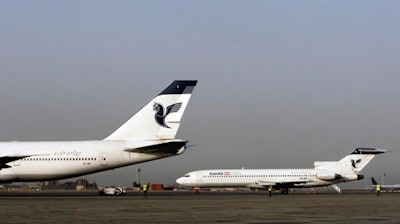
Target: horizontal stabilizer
{"points": [[173, 147], [366, 151]]}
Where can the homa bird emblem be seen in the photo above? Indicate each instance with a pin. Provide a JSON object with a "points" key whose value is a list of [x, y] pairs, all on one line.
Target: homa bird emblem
{"points": [[160, 115], [354, 162]]}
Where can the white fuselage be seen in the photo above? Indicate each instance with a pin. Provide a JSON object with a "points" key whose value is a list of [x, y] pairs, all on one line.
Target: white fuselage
{"points": [[258, 178], [58, 160], [147, 135]]}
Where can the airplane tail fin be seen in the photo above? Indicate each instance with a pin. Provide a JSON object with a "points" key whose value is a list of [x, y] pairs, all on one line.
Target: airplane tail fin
{"points": [[360, 157], [354, 162], [374, 182], [161, 117]]}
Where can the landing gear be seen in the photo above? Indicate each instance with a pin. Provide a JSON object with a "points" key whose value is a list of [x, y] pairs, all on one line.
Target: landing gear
{"points": [[196, 190], [285, 191]]}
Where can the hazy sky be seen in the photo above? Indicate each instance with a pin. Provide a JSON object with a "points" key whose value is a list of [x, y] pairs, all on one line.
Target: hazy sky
{"points": [[281, 83]]}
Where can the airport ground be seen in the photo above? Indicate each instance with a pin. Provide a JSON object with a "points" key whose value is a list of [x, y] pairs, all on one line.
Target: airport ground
{"points": [[207, 207]]}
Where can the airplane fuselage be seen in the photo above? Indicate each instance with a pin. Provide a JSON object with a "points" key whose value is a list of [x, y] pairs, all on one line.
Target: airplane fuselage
{"points": [[59, 160], [259, 178], [147, 135], [325, 173]]}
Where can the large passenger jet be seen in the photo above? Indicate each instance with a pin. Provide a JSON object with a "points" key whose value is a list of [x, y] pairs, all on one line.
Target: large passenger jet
{"points": [[325, 173], [148, 135]]}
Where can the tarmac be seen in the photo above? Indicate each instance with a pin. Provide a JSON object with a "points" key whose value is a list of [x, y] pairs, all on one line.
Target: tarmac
{"points": [[207, 207]]}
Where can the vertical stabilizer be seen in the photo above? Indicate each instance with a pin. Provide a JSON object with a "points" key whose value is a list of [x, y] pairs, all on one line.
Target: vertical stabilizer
{"points": [[161, 117], [359, 158], [353, 163]]}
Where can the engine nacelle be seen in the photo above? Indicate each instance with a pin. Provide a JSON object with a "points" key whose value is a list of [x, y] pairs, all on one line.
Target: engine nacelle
{"points": [[350, 177], [327, 175]]}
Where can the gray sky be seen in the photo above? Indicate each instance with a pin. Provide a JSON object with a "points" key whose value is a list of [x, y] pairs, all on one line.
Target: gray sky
{"points": [[281, 83]]}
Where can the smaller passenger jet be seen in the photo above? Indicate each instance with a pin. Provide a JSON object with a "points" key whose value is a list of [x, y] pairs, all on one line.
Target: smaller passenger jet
{"points": [[148, 135], [325, 173], [385, 187]]}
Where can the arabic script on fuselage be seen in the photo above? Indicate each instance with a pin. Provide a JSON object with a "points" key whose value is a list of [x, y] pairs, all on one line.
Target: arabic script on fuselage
{"points": [[68, 153]]}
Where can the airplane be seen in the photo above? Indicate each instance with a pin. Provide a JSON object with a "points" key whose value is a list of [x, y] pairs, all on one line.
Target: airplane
{"points": [[325, 173], [385, 187], [147, 135]]}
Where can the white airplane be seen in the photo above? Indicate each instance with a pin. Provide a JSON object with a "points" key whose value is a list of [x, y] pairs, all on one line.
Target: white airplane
{"points": [[385, 187], [148, 135], [325, 173]]}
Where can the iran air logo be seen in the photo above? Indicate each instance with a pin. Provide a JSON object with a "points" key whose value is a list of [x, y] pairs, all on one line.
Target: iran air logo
{"points": [[355, 162], [162, 113]]}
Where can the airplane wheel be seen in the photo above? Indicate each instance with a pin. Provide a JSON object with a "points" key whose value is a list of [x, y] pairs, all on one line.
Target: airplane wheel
{"points": [[285, 191]]}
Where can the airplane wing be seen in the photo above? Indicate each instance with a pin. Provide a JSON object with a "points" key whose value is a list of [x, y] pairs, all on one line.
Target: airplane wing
{"points": [[280, 183], [290, 184], [10, 158], [172, 147], [6, 159]]}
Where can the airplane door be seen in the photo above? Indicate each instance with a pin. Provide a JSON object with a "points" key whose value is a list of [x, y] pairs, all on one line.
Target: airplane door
{"points": [[198, 177], [103, 159], [16, 163]]}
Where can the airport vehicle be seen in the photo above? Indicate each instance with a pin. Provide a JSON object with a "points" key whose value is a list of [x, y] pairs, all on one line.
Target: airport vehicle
{"points": [[112, 190], [385, 187], [325, 173], [148, 135]]}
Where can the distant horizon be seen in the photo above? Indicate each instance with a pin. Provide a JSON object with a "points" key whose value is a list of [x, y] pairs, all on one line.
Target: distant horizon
{"points": [[281, 83]]}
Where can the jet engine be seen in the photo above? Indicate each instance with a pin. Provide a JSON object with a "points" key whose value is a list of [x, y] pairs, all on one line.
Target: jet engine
{"points": [[323, 175]]}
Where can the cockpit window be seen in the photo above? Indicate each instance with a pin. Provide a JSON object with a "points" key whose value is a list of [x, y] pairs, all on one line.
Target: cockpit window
{"points": [[187, 175]]}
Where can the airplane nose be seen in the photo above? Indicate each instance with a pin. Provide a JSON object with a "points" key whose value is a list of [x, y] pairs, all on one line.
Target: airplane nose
{"points": [[179, 180]]}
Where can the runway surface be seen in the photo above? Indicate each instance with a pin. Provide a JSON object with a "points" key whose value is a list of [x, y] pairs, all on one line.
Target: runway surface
{"points": [[185, 207]]}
